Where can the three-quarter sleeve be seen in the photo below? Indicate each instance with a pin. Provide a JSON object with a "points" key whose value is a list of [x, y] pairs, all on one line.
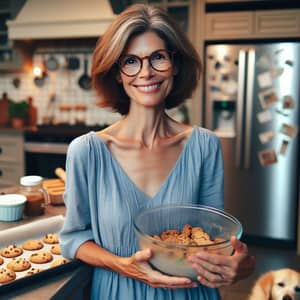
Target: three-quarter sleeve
{"points": [[77, 226], [212, 175]]}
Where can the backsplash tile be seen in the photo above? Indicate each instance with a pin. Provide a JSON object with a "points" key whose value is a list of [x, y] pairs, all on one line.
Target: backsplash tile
{"points": [[62, 83]]}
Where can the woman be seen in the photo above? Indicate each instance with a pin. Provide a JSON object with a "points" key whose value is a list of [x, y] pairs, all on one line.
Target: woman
{"points": [[142, 65]]}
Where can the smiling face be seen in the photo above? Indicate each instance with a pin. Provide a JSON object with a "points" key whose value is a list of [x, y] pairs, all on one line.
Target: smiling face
{"points": [[286, 285], [149, 87]]}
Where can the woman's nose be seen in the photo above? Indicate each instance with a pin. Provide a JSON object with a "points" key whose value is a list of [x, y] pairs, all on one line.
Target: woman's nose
{"points": [[146, 69]]}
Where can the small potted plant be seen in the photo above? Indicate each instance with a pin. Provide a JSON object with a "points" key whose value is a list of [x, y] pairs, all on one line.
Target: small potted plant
{"points": [[18, 112]]}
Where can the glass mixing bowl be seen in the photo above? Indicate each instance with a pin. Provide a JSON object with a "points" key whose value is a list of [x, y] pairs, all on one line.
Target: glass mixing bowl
{"points": [[170, 257]]}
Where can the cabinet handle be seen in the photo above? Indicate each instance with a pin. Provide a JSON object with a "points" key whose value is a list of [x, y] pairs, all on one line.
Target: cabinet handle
{"points": [[1, 173], [0, 150]]}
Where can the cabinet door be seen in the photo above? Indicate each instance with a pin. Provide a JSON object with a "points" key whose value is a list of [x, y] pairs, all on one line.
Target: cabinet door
{"points": [[278, 23], [10, 173], [229, 25], [11, 149]]}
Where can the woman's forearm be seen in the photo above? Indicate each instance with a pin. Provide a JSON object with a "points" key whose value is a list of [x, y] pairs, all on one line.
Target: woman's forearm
{"points": [[92, 254]]}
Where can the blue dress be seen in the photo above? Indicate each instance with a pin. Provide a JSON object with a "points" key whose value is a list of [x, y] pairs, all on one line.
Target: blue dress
{"points": [[101, 201]]}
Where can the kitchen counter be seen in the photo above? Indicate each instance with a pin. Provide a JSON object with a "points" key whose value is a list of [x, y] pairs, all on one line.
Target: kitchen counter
{"points": [[70, 284]]}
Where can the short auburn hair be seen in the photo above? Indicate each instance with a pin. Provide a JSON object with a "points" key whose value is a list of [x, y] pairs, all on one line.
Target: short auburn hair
{"points": [[135, 20]]}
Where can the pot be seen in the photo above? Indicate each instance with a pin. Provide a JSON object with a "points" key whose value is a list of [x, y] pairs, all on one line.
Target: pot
{"points": [[52, 63], [85, 81], [39, 81], [73, 63]]}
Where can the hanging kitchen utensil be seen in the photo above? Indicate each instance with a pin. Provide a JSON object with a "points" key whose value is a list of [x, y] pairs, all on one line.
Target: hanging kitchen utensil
{"points": [[16, 82], [85, 81], [73, 63], [52, 63], [39, 81]]}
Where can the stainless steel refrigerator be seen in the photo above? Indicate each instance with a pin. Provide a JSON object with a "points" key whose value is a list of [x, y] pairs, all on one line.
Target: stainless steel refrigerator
{"points": [[252, 95]]}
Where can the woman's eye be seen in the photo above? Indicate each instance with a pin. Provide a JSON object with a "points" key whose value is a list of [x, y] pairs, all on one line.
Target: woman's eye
{"points": [[281, 284], [158, 56], [297, 289], [130, 60]]}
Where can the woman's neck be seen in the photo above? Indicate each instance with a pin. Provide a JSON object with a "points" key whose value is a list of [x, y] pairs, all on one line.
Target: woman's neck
{"points": [[146, 125]]}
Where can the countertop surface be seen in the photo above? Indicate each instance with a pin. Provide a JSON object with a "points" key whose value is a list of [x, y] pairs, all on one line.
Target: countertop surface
{"points": [[55, 287]]}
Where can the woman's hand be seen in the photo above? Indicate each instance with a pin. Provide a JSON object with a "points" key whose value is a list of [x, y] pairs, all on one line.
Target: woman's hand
{"points": [[138, 268], [219, 270]]}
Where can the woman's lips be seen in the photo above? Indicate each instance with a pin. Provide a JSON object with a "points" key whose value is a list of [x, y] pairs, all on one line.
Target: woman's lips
{"points": [[148, 87]]}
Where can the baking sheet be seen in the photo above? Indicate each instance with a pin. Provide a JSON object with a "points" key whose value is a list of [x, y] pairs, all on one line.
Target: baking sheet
{"points": [[34, 230]]}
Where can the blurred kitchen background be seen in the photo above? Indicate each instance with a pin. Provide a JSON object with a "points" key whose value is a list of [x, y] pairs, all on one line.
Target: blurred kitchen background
{"points": [[248, 95]]}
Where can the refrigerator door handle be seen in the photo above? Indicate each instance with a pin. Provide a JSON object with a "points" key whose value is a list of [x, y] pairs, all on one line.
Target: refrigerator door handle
{"points": [[249, 106], [240, 107]]}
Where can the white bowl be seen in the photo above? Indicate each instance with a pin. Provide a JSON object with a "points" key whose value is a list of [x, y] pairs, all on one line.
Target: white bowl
{"points": [[12, 207]]}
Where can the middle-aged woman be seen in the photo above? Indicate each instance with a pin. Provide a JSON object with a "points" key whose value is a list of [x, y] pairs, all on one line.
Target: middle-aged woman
{"points": [[142, 65]]}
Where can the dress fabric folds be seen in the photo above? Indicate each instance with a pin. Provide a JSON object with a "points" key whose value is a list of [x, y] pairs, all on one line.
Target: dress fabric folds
{"points": [[101, 202]]}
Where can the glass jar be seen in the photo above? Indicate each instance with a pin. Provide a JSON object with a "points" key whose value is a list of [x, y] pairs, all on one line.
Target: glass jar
{"points": [[37, 197]]}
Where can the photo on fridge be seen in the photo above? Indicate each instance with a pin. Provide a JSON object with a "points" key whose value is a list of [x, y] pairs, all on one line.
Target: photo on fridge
{"points": [[288, 130], [267, 157], [267, 98]]}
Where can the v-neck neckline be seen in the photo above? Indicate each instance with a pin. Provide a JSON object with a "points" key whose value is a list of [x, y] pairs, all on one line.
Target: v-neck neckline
{"points": [[132, 183]]}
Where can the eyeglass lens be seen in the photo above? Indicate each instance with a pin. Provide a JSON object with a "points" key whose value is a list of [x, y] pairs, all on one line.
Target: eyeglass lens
{"points": [[160, 60]]}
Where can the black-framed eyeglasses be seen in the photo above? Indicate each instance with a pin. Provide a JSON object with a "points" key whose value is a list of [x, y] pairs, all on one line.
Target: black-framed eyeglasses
{"points": [[160, 60]]}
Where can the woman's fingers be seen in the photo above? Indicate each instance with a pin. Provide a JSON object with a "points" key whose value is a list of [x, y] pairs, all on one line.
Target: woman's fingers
{"points": [[143, 255], [216, 270], [155, 278], [238, 246]]}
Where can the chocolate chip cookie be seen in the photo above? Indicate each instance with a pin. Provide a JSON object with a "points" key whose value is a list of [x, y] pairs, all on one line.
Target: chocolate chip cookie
{"points": [[11, 251], [41, 257], [59, 262], [32, 245], [7, 275], [55, 249], [33, 271], [19, 264], [51, 238]]}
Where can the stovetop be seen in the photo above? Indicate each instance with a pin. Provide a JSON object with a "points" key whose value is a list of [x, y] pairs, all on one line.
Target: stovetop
{"points": [[58, 133]]}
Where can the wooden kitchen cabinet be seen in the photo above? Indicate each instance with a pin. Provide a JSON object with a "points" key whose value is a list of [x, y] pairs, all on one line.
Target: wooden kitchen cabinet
{"points": [[229, 25], [277, 23], [252, 24], [11, 157]]}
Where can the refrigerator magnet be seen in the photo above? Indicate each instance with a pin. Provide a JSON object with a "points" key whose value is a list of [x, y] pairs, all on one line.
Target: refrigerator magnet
{"points": [[218, 65], [263, 62], [214, 88], [266, 136], [288, 130], [267, 98], [288, 102], [229, 87], [283, 147], [267, 157], [264, 79], [226, 58], [264, 116], [277, 72], [289, 62]]}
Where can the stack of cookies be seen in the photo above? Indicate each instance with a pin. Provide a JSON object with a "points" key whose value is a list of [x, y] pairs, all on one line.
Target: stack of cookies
{"points": [[31, 257]]}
